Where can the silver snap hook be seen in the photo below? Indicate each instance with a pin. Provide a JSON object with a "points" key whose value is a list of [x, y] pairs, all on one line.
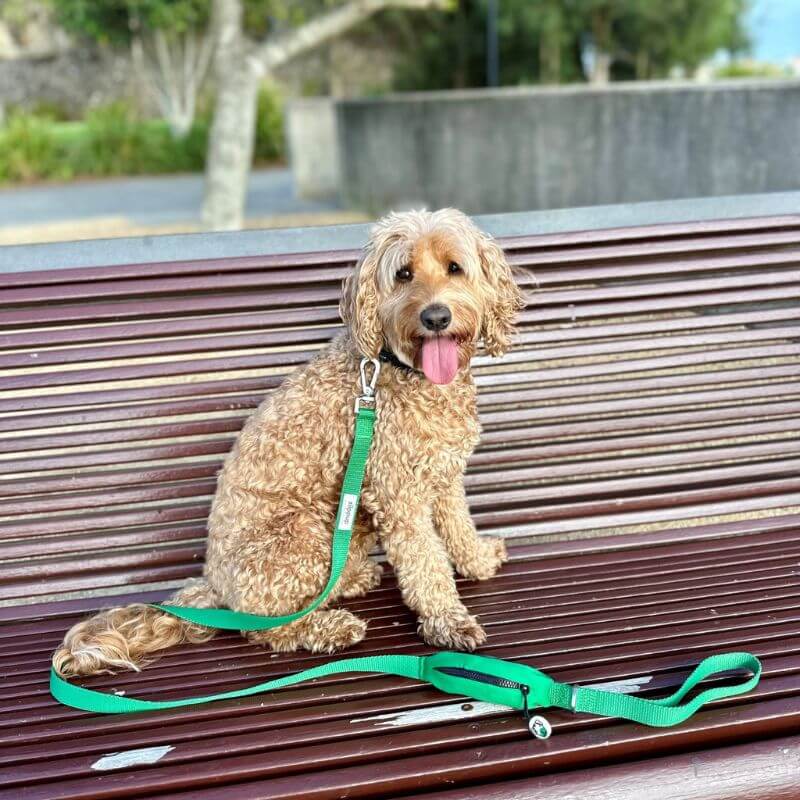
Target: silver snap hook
{"points": [[367, 396], [540, 727], [368, 386]]}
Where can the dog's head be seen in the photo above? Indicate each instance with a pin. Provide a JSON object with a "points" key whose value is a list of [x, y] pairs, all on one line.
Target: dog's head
{"points": [[429, 286]]}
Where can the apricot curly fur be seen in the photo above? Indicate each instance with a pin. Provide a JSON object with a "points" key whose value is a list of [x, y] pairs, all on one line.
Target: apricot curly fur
{"points": [[270, 527]]}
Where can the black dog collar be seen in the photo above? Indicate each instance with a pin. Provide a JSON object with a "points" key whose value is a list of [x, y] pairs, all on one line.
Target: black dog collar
{"points": [[386, 356]]}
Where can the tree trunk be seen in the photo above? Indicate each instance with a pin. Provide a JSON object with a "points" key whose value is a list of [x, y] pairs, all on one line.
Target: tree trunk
{"points": [[230, 146], [601, 68], [642, 65], [171, 71], [230, 149], [550, 40], [601, 35], [239, 70]]}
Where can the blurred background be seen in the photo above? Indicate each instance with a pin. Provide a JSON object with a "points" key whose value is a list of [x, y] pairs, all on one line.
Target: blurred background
{"points": [[125, 117]]}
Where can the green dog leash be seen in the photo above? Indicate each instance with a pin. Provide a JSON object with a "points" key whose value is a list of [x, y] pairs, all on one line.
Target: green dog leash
{"points": [[493, 680]]}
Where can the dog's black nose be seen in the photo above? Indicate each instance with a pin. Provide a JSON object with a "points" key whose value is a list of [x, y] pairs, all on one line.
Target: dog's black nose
{"points": [[436, 317]]}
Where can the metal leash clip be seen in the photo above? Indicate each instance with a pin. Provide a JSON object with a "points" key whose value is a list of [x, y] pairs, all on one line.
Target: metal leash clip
{"points": [[367, 396]]}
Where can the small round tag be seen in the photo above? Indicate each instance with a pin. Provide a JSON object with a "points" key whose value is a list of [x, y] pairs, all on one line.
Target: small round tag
{"points": [[540, 727]]}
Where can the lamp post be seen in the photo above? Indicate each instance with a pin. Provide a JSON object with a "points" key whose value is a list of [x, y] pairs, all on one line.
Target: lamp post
{"points": [[492, 48]]}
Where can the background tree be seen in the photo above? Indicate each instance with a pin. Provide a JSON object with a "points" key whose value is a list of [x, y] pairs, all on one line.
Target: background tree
{"points": [[654, 38], [284, 30], [557, 41], [169, 40]]}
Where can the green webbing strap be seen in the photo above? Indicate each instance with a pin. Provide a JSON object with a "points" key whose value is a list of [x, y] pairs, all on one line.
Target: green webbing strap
{"points": [[89, 700], [542, 690], [481, 677], [345, 517]]}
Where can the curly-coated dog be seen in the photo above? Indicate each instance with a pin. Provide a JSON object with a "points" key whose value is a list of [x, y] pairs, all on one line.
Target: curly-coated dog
{"points": [[428, 288]]}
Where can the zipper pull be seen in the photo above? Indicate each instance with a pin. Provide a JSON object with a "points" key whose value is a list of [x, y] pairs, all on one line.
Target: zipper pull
{"points": [[525, 692]]}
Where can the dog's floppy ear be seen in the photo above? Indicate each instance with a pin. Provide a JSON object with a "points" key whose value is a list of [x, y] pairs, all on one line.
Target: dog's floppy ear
{"points": [[505, 298], [359, 304]]}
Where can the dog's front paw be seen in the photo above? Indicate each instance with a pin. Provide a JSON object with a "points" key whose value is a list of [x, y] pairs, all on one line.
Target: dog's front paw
{"points": [[491, 554], [455, 629], [334, 629]]}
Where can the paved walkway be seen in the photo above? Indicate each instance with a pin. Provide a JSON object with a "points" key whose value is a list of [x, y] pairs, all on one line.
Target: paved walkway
{"points": [[147, 200]]}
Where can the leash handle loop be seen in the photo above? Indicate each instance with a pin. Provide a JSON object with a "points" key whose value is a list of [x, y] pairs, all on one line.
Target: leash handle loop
{"points": [[667, 711]]}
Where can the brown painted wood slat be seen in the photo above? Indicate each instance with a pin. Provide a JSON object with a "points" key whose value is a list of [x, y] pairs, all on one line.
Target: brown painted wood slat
{"points": [[272, 319], [167, 284], [224, 424], [301, 736], [765, 770], [258, 341], [653, 388], [759, 230], [752, 529], [548, 304]]}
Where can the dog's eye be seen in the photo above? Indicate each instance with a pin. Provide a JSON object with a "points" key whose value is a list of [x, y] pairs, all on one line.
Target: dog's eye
{"points": [[454, 268], [403, 274]]}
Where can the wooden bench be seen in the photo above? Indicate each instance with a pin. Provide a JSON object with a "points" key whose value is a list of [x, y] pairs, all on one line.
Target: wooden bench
{"points": [[640, 449]]}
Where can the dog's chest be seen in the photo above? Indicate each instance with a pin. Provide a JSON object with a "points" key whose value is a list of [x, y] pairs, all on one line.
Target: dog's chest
{"points": [[428, 434]]}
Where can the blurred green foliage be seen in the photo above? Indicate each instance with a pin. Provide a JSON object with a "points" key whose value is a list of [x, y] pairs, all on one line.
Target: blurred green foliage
{"points": [[114, 140], [116, 21], [648, 39], [269, 142], [751, 69], [542, 41], [28, 148]]}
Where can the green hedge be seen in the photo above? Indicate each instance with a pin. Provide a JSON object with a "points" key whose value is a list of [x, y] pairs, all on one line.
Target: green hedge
{"points": [[113, 140]]}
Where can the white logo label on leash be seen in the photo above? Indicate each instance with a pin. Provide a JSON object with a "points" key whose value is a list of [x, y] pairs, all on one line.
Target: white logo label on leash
{"points": [[348, 515]]}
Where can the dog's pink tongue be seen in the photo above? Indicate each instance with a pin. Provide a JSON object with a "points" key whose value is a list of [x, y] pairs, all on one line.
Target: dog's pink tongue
{"points": [[440, 358]]}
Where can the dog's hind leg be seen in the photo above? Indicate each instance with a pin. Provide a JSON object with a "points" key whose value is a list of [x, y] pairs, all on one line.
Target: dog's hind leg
{"points": [[283, 571], [325, 630], [359, 578], [360, 573]]}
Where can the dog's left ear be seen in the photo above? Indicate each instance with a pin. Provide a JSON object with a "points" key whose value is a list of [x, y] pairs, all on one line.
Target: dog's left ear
{"points": [[505, 298], [359, 304]]}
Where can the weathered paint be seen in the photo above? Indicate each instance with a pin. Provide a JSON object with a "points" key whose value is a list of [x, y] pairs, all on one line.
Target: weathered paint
{"points": [[132, 758], [445, 713]]}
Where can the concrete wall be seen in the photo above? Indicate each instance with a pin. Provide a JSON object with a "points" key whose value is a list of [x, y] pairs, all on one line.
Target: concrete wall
{"points": [[504, 150], [313, 147]]}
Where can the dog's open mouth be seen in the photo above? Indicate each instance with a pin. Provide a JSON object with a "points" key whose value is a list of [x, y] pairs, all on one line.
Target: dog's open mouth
{"points": [[439, 358]]}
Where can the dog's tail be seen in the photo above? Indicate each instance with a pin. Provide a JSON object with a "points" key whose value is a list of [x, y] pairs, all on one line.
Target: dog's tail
{"points": [[125, 637]]}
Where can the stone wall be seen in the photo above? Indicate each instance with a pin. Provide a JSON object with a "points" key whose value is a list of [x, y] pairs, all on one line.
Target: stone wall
{"points": [[504, 150], [46, 66], [41, 64], [73, 79]]}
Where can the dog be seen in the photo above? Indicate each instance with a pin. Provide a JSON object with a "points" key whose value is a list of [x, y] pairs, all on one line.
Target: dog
{"points": [[427, 290]]}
